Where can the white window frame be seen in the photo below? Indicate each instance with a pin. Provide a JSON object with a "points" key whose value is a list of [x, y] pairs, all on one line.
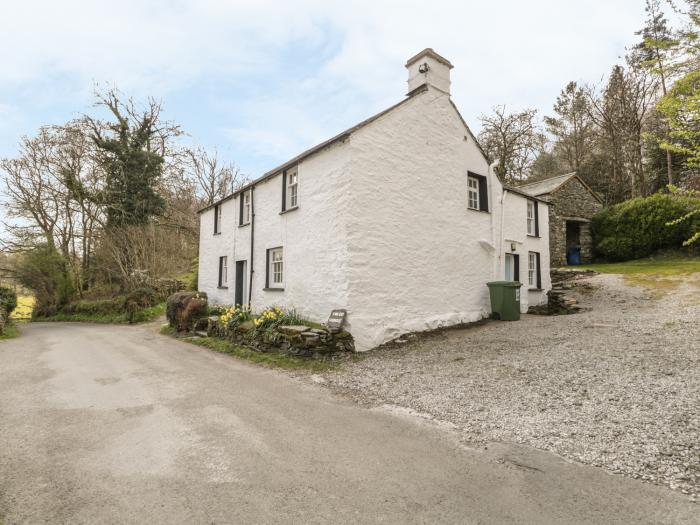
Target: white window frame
{"points": [[532, 269], [246, 207], [473, 193], [276, 269], [223, 265], [292, 191], [531, 230]]}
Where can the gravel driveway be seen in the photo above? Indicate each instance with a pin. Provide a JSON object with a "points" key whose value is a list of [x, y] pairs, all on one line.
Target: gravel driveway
{"points": [[617, 386]]}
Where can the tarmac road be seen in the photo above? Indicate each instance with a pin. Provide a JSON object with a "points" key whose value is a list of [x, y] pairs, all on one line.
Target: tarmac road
{"points": [[118, 424]]}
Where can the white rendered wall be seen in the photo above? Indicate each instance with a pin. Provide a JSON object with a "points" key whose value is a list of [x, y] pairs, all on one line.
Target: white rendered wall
{"points": [[419, 257], [515, 233], [313, 238], [211, 247], [383, 230]]}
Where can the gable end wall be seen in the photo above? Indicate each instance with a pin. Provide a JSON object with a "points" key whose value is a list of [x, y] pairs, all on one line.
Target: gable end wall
{"points": [[571, 200]]}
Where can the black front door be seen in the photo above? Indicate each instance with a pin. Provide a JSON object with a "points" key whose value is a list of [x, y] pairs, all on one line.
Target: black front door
{"points": [[240, 282]]}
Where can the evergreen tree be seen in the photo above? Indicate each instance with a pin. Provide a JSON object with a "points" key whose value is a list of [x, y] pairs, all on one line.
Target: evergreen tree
{"points": [[132, 165], [572, 128], [655, 53]]}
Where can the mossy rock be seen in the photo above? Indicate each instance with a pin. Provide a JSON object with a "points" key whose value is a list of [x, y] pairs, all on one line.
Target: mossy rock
{"points": [[245, 326]]}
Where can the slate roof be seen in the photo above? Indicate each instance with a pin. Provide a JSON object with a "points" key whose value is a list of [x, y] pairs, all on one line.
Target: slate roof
{"points": [[337, 138], [543, 187]]}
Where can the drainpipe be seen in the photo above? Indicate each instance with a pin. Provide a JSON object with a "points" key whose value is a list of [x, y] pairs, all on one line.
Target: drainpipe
{"points": [[252, 243], [498, 247], [499, 270]]}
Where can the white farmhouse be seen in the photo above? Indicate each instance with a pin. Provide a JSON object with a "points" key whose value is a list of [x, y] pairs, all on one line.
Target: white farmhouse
{"points": [[400, 220]]}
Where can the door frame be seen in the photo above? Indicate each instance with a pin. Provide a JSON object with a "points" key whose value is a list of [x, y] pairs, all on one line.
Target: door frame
{"points": [[241, 284]]}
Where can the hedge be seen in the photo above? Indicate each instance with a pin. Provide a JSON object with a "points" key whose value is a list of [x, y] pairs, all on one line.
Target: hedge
{"points": [[638, 227]]}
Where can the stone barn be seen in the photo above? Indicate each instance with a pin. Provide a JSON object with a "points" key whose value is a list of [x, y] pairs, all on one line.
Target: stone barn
{"points": [[574, 205]]}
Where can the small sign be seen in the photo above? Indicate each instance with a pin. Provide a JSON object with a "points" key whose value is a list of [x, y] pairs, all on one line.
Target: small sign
{"points": [[336, 320]]}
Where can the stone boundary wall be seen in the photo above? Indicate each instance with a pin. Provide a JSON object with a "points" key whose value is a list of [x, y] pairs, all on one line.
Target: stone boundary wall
{"points": [[299, 340]]}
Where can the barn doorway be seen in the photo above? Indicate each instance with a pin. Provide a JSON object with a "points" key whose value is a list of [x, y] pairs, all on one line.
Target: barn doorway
{"points": [[573, 243]]}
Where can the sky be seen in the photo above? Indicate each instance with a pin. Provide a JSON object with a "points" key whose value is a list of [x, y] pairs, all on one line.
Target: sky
{"points": [[260, 81]]}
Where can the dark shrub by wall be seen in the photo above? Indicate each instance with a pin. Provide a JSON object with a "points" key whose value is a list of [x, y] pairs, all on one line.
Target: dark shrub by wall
{"points": [[8, 299], [637, 228], [46, 272]]}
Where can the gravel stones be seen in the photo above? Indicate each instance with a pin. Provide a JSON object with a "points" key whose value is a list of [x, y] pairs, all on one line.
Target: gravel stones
{"points": [[616, 386]]}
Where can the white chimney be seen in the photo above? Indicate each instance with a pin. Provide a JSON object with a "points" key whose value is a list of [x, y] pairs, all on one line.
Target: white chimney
{"points": [[427, 67]]}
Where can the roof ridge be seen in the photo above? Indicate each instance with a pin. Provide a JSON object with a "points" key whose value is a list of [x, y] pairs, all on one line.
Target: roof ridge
{"points": [[570, 174], [310, 151]]}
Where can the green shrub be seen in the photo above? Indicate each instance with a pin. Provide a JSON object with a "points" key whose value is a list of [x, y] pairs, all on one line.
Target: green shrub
{"points": [[8, 299], [44, 271], [639, 227], [138, 300]]}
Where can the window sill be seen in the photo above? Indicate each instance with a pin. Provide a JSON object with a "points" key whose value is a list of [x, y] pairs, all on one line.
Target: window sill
{"points": [[273, 289], [474, 209], [288, 210], [217, 233], [534, 236], [535, 289], [244, 224], [222, 287]]}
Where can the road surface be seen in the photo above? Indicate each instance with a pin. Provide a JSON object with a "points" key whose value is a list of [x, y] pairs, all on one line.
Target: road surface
{"points": [[118, 424]]}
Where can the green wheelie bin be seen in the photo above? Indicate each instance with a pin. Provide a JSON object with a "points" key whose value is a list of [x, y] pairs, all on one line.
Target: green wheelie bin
{"points": [[505, 300]]}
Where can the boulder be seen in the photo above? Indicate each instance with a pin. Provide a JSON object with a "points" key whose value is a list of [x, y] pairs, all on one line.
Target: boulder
{"points": [[184, 309]]}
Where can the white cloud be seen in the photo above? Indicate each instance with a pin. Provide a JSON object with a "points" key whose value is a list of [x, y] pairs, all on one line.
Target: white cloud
{"points": [[302, 70]]}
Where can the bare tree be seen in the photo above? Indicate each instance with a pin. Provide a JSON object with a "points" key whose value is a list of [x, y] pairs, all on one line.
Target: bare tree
{"points": [[514, 139], [214, 178], [620, 112]]}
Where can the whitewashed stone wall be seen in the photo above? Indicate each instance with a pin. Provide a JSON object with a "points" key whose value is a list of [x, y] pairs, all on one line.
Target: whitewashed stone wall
{"points": [[383, 229], [313, 238]]}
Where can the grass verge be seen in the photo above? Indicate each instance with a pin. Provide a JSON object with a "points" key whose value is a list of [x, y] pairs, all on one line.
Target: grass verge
{"points": [[651, 266], [661, 274], [11, 331], [145, 315], [269, 359]]}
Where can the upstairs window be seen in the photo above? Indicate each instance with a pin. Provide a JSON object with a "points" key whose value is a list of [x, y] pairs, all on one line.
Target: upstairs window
{"points": [[245, 208], [290, 189], [477, 192], [217, 219], [533, 227], [473, 189], [275, 268]]}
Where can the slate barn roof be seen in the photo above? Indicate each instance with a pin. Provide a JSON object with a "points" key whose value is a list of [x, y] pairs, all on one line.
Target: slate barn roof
{"points": [[542, 187], [552, 184]]}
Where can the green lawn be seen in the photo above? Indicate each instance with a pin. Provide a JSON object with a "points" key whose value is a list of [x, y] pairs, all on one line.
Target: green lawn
{"points": [[656, 266], [660, 274], [11, 331], [269, 359]]}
